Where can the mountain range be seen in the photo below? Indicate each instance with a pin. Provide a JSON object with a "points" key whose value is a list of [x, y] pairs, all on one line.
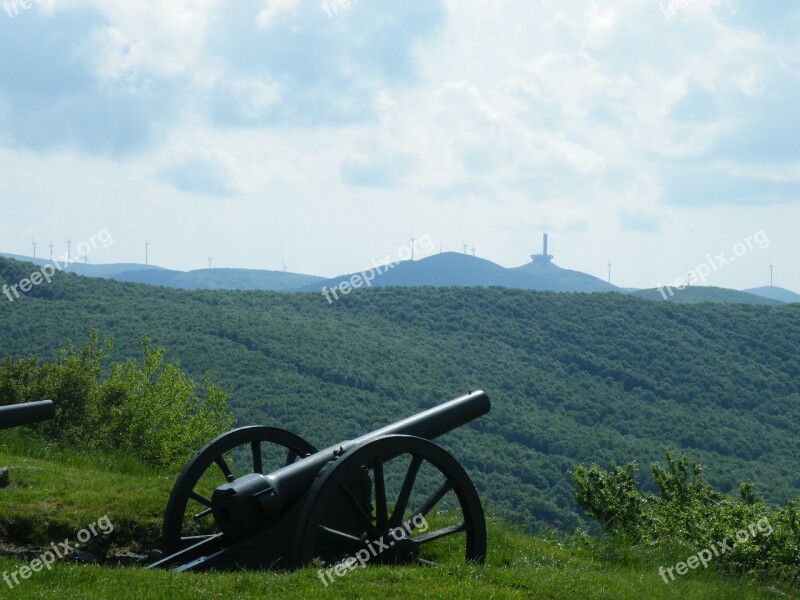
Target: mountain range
{"points": [[443, 269]]}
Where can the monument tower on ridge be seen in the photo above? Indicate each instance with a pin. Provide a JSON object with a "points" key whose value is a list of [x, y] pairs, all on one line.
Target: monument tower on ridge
{"points": [[544, 258]]}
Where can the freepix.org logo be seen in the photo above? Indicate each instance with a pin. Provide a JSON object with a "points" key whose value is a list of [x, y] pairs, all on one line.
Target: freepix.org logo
{"points": [[58, 551], [365, 278], [46, 272]]}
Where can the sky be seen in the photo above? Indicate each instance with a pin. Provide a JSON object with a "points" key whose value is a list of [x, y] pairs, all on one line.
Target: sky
{"points": [[323, 134]]}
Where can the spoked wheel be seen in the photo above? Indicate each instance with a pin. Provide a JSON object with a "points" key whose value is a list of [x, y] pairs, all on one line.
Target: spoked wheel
{"points": [[420, 507], [188, 519]]}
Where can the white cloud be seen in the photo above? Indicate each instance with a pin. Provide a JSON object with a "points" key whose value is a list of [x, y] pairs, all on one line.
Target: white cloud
{"points": [[273, 9]]}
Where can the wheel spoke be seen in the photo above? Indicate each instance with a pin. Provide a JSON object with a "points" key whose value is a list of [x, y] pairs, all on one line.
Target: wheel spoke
{"points": [[258, 463], [366, 520], [194, 539], [381, 510], [202, 514], [354, 542], [201, 499], [440, 533], [434, 500], [405, 491], [226, 470]]}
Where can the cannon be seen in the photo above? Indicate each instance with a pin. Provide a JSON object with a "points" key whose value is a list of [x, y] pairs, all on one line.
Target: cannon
{"points": [[261, 497], [26, 413]]}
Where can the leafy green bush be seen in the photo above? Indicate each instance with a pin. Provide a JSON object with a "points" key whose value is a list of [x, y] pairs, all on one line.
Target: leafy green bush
{"points": [[151, 410], [689, 511]]}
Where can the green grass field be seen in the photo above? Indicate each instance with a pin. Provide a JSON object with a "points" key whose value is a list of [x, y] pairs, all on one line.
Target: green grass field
{"points": [[53, 495]]}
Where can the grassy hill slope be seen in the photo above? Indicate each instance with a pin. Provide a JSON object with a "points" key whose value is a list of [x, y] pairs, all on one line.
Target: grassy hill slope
{"points": [[53, 496], [573, 377]]}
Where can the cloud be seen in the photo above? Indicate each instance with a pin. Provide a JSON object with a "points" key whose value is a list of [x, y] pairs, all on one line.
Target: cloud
{"points": [[203, 176], [721, 183], [639, 220], [374, 169], [115, 77], [274, 9]]}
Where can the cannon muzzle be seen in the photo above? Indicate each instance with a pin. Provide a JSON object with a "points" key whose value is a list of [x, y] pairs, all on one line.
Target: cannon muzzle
{"points": [[17, 415]]}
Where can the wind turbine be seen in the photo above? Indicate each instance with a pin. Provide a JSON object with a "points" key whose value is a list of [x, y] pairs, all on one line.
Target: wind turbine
{"points": [[34, 248], [473, 250], [51, 250], [771, 267], [465, 244], [209, 262], [284, 265], [69, 251], [412, 240], [609, 272], [146, 252]]}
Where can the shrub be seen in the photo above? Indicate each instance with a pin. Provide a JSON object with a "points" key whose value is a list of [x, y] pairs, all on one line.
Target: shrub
{"points": [[152, 410]]}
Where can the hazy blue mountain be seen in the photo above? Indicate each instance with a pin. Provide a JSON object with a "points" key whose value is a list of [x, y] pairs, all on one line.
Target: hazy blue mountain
{"points": [[444, 269], [220, 279], [456, 269], [551, 277], [697, 294], [775, 293], [88, 269]]}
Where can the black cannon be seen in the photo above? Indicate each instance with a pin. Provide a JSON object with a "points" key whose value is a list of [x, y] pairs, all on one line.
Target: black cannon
{"points": [[374, 495], [27, 413]]}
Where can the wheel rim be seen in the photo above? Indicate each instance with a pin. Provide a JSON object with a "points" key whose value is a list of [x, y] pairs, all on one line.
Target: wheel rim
{"points": [[265, 446], [338, 521]]}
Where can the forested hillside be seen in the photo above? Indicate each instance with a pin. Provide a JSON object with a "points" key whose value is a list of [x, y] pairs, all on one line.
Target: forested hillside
{"points": [[574, 378]]}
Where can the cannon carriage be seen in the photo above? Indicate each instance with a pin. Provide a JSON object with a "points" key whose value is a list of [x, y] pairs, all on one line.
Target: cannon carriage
{"points": [[262, 497]]}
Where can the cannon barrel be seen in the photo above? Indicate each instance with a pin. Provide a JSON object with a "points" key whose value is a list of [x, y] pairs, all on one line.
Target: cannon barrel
{"points": [[255, 500], [17, 415]]}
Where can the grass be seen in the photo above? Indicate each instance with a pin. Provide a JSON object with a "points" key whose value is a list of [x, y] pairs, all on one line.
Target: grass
{"points": [[54, 494]]}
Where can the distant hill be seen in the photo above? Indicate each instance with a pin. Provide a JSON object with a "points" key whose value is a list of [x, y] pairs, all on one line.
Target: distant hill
{"points": [[775, 293], [220, 279], [456, 269], [88, 269], [697, 294], [550, 277], [444, 269], [200, 279]]}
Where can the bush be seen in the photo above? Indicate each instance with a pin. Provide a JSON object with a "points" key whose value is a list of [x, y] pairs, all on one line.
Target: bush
{"points": [[150, 410], [689, 511]]}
